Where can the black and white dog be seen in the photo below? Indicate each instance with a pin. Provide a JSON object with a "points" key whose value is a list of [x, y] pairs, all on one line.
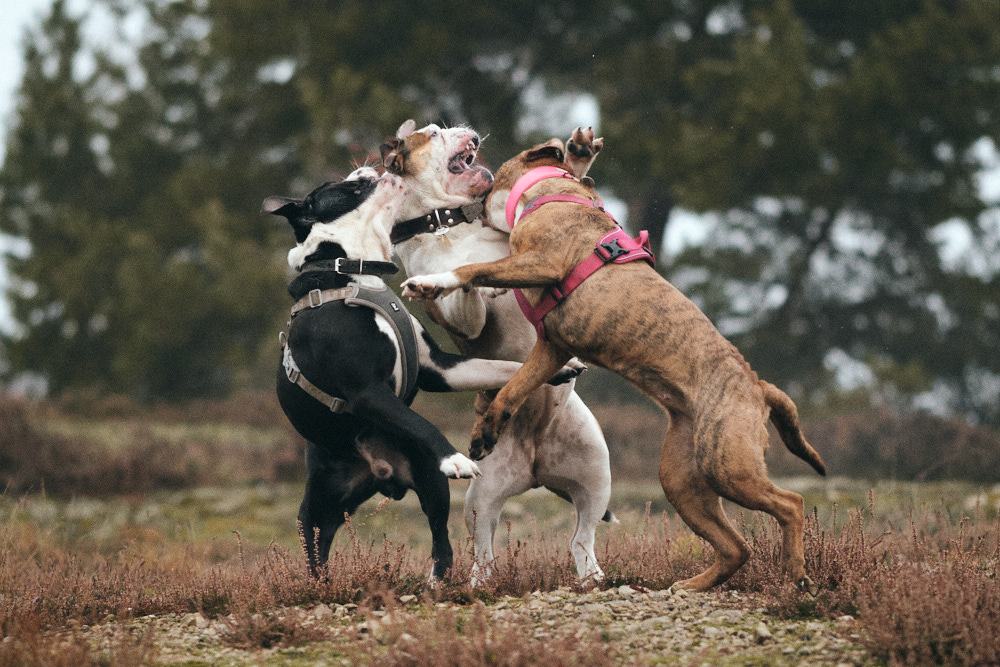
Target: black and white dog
{"points": [[346, 378]]}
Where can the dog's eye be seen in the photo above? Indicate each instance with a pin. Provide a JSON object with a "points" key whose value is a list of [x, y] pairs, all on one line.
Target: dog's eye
{"points": [[434, 134]]}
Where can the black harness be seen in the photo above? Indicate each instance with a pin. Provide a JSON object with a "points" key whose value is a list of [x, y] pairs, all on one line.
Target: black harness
{"points": [[382, 300]]}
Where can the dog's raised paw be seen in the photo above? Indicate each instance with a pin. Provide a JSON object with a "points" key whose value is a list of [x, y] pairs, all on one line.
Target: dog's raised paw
{"points": [[431, 286], [568, 372], [459, 466]]}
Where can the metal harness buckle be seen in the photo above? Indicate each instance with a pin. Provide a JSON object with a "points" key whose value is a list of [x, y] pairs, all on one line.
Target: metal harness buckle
{"points": [[291, 371], [338, 269], [613, 250], [316, 296]]}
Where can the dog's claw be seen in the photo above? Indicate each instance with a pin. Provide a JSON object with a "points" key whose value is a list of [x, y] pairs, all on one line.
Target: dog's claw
{"points": [[571, 370], [458, 466]]}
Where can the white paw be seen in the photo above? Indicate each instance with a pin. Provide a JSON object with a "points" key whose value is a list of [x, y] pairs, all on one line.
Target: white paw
{"points": [[459, 466], [479, 575], [431, 286]]}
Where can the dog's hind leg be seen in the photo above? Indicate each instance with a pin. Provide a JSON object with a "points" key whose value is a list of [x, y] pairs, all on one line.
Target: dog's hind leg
{"points": [[434, 494], [743, 479], [412, 433], [334, 487], [573, 459], [506, 474], [699, 505]]}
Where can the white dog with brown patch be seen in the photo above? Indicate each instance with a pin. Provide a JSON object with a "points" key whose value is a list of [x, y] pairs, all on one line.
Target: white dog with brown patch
{"points": [[553, 440]]}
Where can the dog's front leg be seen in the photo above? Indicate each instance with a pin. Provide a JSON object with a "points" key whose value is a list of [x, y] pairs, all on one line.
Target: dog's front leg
{"points": [[525, 269], [542, 363], [442, 371]]}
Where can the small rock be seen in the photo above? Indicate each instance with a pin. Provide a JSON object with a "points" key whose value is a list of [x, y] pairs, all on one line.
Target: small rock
{"points": [[322, 612], [726, 615], [761, 634], [815, 628], [628, 591], [712, 632], [407, 599], [846, 618], [681, 593]]}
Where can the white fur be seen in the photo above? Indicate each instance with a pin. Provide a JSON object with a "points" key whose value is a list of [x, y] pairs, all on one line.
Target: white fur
{"points": [[436, 187], [439, 283], [364, 232], [397, 367], [459, 466], [562, 445]]}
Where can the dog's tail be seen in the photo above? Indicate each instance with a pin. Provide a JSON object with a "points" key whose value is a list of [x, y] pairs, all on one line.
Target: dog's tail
{"points": [[785, 418]]}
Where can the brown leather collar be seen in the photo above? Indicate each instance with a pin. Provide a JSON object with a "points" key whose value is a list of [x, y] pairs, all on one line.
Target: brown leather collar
{"points": [[438, 221]]}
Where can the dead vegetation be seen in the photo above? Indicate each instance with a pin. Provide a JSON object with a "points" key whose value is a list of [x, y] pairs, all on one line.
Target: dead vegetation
{"points": [[921, 581]]}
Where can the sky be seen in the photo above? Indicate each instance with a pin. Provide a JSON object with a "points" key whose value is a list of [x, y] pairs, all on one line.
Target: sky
{"points": [[18, 15]]}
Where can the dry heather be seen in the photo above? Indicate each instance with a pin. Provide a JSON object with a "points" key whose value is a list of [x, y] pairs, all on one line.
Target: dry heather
{"points": [[911, 586], [926, 593]]}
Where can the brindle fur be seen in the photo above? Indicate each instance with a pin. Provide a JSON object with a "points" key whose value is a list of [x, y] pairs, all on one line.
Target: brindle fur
{"points": [[629, 319]]}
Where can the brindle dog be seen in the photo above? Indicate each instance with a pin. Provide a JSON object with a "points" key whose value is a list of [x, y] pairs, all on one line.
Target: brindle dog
{"points": [[629, 319]]}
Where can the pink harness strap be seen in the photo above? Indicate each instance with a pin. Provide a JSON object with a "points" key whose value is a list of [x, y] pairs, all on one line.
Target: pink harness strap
{"points": [[525, 183], [614, 247]]}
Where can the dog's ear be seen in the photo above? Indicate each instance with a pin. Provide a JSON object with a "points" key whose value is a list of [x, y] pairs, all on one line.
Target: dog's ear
{"points": [[406, 129], [281, 206], [392, 156], [552, 148]]}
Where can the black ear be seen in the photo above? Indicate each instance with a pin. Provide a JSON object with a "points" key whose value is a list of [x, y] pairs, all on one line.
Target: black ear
{"points": [[392, 157], [281, 206], [553, 148]]}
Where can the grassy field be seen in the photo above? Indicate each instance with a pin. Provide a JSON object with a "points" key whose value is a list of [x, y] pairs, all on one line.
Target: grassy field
{"points": [[263, 514], [171, 539]]}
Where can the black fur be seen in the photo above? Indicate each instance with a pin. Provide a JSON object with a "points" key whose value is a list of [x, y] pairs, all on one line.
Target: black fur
{"points": [[380, 445]]}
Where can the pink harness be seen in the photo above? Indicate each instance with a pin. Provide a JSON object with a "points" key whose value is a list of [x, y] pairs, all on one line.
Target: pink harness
{"points": [[614, 247]]}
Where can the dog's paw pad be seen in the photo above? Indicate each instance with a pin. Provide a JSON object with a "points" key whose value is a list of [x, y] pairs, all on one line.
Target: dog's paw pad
{"points": [[459, 466], [568, 372], [477, 450]]}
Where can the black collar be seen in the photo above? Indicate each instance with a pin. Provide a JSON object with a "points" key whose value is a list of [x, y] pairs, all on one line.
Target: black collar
{"points": [[438, 221], [367, 267]]}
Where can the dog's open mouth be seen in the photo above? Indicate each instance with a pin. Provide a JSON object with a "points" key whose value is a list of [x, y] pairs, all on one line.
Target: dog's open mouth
{"points": [[462, 161]]}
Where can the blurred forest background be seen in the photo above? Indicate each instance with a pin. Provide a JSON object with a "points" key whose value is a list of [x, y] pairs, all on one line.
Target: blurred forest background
{"points": [[819, 160]]}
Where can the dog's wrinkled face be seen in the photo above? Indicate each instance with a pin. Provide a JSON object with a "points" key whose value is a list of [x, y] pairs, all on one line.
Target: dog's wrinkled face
{"points": [[438, 165], [354, 214], [549, 154]]}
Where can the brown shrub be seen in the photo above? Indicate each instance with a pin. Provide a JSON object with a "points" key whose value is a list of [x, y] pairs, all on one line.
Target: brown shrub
{"points": [[881, 444], [269, 628], [461, 639], [875, 445], [32, 459]]}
